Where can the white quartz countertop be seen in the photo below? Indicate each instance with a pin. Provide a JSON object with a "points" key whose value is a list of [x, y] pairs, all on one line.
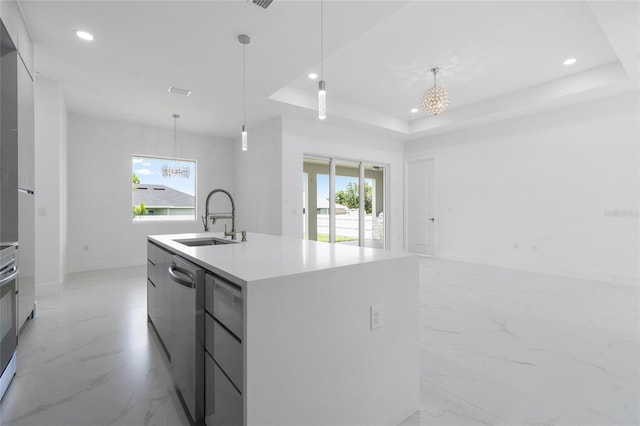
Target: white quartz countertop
{"points": [[265, 256]]}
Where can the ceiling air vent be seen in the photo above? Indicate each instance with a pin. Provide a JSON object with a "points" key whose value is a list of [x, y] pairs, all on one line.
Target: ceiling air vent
{"points": [[262, 3], [179, 91]]}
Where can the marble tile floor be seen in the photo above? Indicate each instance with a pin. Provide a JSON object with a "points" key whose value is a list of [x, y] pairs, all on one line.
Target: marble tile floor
{"points": [[505, 347], [498, 347], [90, 358]]}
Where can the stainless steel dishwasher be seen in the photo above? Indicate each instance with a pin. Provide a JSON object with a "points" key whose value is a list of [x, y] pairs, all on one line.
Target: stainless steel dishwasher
{"points": [[187, 334]]}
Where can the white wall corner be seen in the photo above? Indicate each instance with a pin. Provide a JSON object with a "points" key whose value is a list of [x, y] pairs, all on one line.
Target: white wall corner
{"points": [[50, 181]]}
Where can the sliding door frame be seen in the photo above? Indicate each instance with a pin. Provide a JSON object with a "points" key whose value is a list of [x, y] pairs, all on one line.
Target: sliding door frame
{"points": [[361, 186]]}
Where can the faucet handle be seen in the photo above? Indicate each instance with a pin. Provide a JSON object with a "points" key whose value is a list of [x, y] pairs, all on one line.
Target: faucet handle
{"points": [[244, 236]]}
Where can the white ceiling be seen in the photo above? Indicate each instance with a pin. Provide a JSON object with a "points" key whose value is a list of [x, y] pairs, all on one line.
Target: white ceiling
{"points": [[497, 59]]}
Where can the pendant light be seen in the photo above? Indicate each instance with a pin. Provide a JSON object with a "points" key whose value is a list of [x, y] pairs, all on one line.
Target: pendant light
{"points": [[174, 170], [322, 92], [436, 99], [244, 40]]}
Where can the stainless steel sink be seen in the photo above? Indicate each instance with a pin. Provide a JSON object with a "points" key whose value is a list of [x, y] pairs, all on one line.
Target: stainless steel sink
{"points": [[197, 242]]}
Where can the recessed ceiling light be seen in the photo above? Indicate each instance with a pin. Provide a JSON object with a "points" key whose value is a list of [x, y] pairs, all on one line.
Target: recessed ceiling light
{"points": [[313, 76], [414, 110], [84, 35], [569, 61]]}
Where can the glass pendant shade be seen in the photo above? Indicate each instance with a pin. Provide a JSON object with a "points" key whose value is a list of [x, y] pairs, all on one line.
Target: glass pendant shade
{"points": [[435, 100], [322, 101], [244, 139]]}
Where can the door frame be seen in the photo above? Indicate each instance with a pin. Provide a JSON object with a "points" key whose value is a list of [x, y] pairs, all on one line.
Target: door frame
{"points": [[386, 193], [434, 199]]}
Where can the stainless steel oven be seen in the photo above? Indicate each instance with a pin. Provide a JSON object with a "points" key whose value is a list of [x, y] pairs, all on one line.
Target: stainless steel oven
{"points": [[8, 336]]}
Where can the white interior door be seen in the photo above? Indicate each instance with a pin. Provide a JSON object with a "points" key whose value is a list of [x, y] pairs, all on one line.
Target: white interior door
{"points": [[420, 209]]}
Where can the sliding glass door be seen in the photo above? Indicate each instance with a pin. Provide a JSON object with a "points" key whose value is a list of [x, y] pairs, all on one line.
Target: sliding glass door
{"points": [[374, 235], [347, 203], [344, 201]]}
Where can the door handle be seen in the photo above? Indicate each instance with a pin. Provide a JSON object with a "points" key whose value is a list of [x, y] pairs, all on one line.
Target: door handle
{"points": [[432, 219]]}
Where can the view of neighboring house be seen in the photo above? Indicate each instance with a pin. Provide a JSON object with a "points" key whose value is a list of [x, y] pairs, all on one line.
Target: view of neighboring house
{"points": [[323, 207], [160, 200]]}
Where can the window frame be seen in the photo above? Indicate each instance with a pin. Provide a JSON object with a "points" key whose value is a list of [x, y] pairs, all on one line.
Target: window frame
{"points": [[167, 218]]}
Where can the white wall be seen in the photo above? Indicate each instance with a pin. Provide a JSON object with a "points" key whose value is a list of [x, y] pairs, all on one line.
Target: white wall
{"points": [[101, 233], [63, 195], [535, 192], [50, 183], [302, 137], [259, 180]]}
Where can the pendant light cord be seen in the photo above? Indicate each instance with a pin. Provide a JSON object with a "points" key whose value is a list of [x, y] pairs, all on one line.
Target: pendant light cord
{"points": [[244, 84], [321, 40], [175, 138]]}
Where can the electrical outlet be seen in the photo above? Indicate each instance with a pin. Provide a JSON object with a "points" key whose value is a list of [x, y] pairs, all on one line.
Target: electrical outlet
{"points": [[376, 316]]}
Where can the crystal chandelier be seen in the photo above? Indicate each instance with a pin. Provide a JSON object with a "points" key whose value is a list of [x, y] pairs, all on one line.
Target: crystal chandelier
{"points": [[435, 100], [174, 170]]}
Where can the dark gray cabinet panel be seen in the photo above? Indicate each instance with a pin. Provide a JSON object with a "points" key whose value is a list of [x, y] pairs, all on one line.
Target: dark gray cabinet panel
{"points": [[224, 360], [223, 401], [158, 262], [224, 302], [225, 349], [8, 139], [152, 301]]}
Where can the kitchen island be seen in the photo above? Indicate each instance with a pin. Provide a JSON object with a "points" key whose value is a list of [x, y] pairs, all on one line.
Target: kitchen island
{"points": [[328, 333]]}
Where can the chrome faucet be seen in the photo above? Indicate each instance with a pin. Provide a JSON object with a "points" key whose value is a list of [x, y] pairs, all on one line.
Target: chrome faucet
{"points": [[214, 216]]}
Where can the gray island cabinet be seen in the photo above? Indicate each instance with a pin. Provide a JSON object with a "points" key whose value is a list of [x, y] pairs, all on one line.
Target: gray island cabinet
{"points": [[293, 332], [159, 292]]}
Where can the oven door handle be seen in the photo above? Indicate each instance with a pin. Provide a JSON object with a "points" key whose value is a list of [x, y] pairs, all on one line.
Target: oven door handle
{"points": [[10, 277]]}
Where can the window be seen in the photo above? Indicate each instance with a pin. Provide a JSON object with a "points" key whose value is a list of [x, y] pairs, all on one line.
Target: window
{"points": [[156, 197], [334, 181]]}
